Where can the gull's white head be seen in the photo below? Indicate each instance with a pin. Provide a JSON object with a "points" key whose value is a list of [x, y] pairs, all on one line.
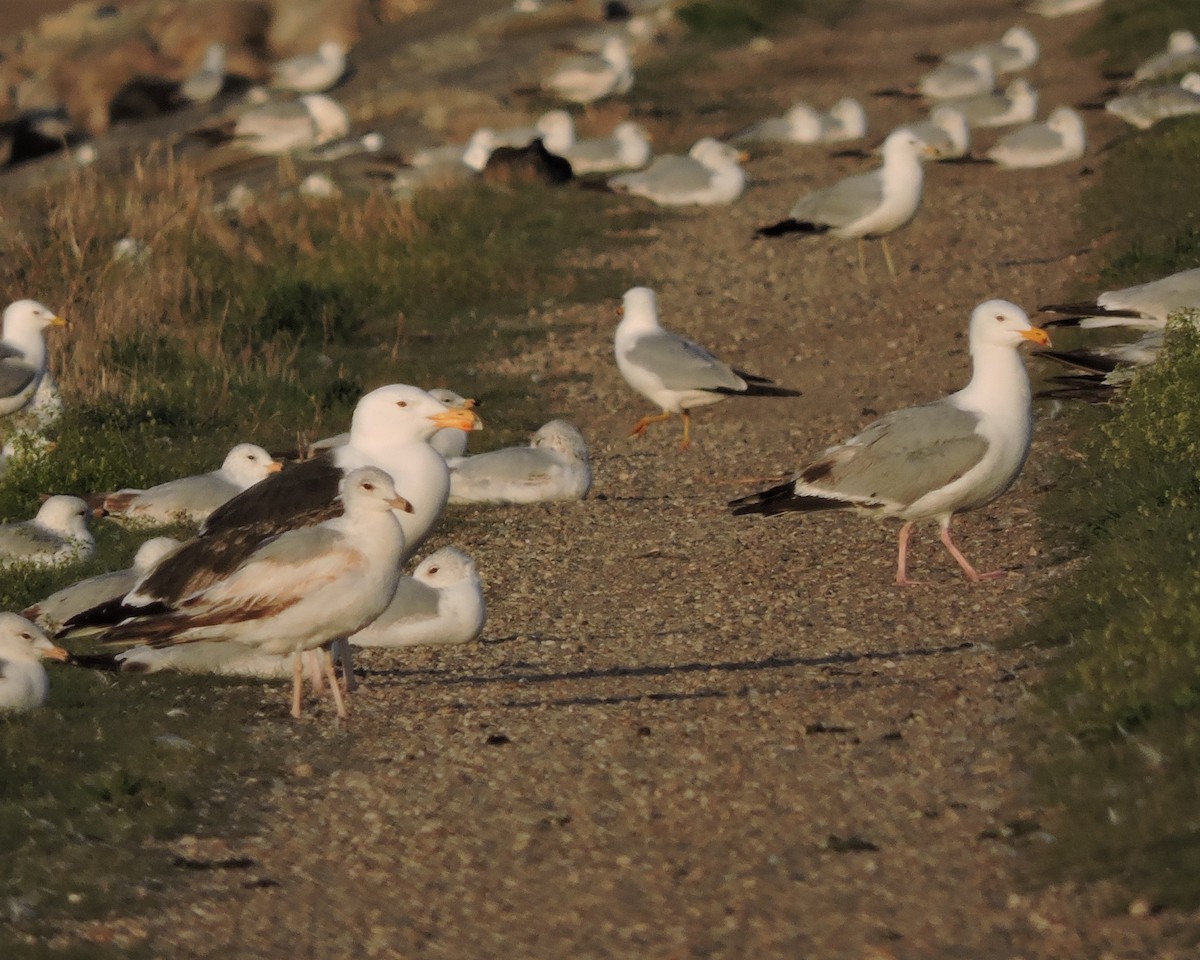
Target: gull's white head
{"points": [[479, 148], [247, 463], [1191, 82], [714, 154], [616, 52], [446, 568], [152, 551], [214, 58], [29, 316], [557, 130], [902, 144], [999, 323], [1067, 123], [981, 63], [332, 52], [329, 117], [399, 414], [803, 122], [951, 121], [1024, 42], [1020, 92], [851, 115], [23, 641], [639, 309], [368, 490], [633, 144], [1181, 41], [66, 516], [563, 438]]}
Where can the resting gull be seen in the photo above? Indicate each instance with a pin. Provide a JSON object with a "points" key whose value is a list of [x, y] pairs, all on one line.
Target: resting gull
{"points": [[553, 466], [867, 205], [285, 126], [1017, 104], [967, 79], [710, 174], [1144, 307], [1016, 50], [1060, 8], [626, 148], [933, 461], [296, 592], [23, 352], [441, 603], [58, 534], [1182, 54], [204, 85], [945, 131], [673, 372], [194, 498], [845, 120], [554, 128], [1144, 108], [1059, 139], [311, 72], [23, 681], [589, 78]]}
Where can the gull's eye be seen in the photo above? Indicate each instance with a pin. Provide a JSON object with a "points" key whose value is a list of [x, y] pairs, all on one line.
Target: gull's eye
{"points": [[433, 570], [1000, 317], [402, 403], [368, 485]]}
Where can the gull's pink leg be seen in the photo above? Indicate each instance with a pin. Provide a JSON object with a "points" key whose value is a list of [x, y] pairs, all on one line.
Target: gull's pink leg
{"points": [[312, 662], [968, 571], [334, 687], [297, 684], [902, 560], [687, 431]]}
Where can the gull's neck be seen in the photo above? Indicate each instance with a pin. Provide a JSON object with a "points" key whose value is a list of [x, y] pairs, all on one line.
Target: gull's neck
{"points": [[998, 381]]}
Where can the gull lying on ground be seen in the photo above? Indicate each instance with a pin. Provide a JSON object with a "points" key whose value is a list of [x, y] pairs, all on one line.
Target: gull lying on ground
{"points": [[554, 466], [23, 681], [933, 461], [56, 609], [299, 591], [967, 79], [446, 165], [1144, 108], [311, 72], [1060, 8], [1145, 306], [1017, 104], [441, 603], [626, 148], [589, 78], [1016, 50], [204, 85], [846, 120], [58, 534], [1060, 139], [23, 352], [672, 371], [1182, 55], [555, 129], [194, 498], [945, 132], [285, 126], [709, 175], [867, 205]]}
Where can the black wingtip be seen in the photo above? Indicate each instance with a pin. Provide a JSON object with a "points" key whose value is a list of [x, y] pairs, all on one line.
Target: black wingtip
{"points": [[782, 498], [789, 226], [1080, 360], [96, 661]]}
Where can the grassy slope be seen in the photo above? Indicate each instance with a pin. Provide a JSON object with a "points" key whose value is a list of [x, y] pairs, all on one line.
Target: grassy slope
{"points": [[1115, 730]]}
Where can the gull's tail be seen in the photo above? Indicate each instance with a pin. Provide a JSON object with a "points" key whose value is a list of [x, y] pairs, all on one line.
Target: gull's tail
{"points": [[784, 499], [790, 225]]}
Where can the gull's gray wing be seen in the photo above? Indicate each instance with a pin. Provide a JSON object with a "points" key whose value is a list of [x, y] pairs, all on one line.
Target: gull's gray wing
{"points": [[16, 373], [1035, 138], [413, 600], [27, 540], [772, 129], [843, 203], [510, 465], [901, 457], [670, 174], [681, 364]]}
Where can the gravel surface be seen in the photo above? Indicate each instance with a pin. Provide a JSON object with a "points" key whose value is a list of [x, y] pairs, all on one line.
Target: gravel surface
{"points": [[690, 735]]}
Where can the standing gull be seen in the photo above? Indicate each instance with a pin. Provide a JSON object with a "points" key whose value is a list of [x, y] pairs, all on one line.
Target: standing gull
{"points": [[441, 603], [673, 372], [867, 205], [194, 498], [1143, 307], [1060, 139], [23, 682], [23, 352], [58, 534], [299, 591], [553, 466], [933, 461], [709, 175]]}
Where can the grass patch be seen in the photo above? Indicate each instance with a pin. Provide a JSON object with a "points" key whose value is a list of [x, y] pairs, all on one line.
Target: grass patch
{"points": [[267, 326], [1128, 31], [726, 22]]}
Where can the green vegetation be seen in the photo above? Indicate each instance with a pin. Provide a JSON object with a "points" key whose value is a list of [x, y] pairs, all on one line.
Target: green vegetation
{"points": [[265, 325], [729, 21], [1115, 730], [1128, 31]]}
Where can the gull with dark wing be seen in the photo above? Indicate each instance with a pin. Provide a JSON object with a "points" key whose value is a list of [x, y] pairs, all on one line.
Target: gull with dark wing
{"points": [[673, 372], [933, 461], [23, 352]]}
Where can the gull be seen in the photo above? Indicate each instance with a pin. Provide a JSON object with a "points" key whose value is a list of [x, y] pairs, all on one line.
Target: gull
{"points": [[449, 441], [1144, 108], [296, 592], [626, 148], [204, 85], [967, 79], [446, 165], [1099, 373], [311, 72], [1017, 104], [285, 126], [58, 534], [194, 498], [1182, 54], [23, 352], [1060, 139], [555, 129], [23, 681], [945, 131], [709, 175], [586, 79], [52, 612], [845, 120], [441, 603], [932, 461], [673, 372], [1145, 306], [1060, 8], [867, 205], [553, 466], [1016, 50], [390, 430]]}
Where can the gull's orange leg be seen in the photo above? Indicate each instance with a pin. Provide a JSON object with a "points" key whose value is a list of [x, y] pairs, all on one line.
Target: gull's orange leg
{"points": [[687, 430], [297, 683], [640, 427]]}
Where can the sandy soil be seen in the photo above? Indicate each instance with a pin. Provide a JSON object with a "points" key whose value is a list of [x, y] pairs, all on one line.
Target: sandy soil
{"points": [[690, 735]]}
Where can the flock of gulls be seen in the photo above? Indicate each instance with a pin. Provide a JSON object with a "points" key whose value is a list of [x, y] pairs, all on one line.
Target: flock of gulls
{"points": [[295, 564]]}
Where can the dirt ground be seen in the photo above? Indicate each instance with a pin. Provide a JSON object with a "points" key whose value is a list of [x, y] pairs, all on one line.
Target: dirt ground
{"points": [[692, 735]]}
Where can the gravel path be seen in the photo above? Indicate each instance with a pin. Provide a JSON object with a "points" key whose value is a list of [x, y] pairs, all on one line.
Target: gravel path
{"points": [[689, 735]]}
